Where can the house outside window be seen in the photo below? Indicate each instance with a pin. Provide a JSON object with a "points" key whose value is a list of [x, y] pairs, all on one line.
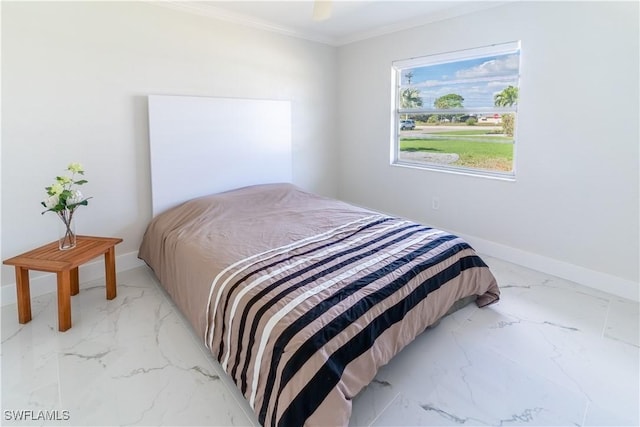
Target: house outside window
{"points": [[457, 111]]}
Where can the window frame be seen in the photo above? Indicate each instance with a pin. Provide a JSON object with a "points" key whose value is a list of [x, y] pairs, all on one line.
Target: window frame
{"points": [[399, 66]]}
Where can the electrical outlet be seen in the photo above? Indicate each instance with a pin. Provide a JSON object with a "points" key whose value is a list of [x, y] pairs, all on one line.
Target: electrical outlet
{"points": [[435, 203]]}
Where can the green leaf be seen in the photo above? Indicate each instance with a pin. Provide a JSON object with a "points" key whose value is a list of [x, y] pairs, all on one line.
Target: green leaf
{"points": [[82, 181]]}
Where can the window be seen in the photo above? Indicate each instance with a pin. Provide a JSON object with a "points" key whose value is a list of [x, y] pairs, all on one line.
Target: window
{"points": [[457, 111]]}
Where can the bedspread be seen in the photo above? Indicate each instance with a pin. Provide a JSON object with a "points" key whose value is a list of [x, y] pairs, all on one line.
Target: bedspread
{"points": [[311, 295]]}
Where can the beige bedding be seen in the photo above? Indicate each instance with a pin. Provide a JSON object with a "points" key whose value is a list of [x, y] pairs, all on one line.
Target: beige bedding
{"points": [[302, 298]]}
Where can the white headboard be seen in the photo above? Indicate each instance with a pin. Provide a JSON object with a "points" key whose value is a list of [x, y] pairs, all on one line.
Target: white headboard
{"points": [[201, 145]]}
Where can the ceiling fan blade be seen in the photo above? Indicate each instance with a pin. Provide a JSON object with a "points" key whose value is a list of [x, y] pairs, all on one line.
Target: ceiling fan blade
{"points": [[321, 10]]}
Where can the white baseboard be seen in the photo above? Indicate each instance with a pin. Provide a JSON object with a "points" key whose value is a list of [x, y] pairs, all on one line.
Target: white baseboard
{"points": [[46, 283], [594, 279]]}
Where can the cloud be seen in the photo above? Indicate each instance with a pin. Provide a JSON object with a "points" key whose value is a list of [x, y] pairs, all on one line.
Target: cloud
{"points": [[493, 67], [477, 84]]}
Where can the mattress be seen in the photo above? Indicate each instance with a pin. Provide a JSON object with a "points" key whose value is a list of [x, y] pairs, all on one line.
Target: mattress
{"points": [[302, 298]]}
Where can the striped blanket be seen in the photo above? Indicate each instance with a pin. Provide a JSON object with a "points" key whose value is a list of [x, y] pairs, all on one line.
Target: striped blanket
{"points": [[301, 298], [303, 327]]}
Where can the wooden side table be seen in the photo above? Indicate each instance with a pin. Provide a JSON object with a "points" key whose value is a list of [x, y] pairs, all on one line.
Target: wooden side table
{"points": [[65, 264]]}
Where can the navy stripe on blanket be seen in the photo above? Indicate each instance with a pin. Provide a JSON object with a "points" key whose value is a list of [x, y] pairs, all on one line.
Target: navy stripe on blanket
{"points": [[267, 305], [315, 391], [335, 326], [240, 281]]}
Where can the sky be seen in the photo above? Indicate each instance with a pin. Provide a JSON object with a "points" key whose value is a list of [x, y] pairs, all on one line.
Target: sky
{"points": [[476, 80]]}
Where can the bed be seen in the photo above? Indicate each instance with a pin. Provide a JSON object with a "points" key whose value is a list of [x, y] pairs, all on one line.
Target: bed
{"points": [[302, 298]]}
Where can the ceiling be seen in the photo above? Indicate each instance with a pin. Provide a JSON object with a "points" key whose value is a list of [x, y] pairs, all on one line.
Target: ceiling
{"points": [[349, 20]]}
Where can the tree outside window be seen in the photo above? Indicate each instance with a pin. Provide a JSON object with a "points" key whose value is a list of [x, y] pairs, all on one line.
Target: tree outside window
{"points": [[464, 107]]}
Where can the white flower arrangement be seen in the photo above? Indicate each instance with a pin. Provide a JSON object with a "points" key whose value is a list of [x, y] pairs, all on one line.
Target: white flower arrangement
{"points": [[63, 199]]}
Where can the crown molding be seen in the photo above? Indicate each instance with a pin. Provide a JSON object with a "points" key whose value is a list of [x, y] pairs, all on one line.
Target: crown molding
{"points": [[241, 19], [200, 8], [462, 8]]}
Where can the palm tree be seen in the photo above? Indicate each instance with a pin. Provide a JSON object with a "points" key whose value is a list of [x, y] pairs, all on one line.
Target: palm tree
{"points": [[410, 98], [506, 98]]}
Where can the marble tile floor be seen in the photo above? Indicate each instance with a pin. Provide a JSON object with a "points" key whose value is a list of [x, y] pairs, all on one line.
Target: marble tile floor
{"points": [[550, 353]]}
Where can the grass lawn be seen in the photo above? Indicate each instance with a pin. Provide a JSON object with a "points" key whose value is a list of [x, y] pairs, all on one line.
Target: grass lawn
{"points": [[493, 152]]}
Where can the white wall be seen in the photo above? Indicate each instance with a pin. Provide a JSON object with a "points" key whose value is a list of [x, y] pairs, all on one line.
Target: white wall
{"points": [[75, 76], [573, 209]]}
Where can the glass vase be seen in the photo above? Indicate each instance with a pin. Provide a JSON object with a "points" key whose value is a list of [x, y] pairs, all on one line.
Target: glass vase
{"points": [[66, 231]]}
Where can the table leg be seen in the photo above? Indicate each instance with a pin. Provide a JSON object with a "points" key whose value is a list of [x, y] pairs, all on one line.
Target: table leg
{"points": [[64, 300], [110, 272], [24, 295], [75, 283]]}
